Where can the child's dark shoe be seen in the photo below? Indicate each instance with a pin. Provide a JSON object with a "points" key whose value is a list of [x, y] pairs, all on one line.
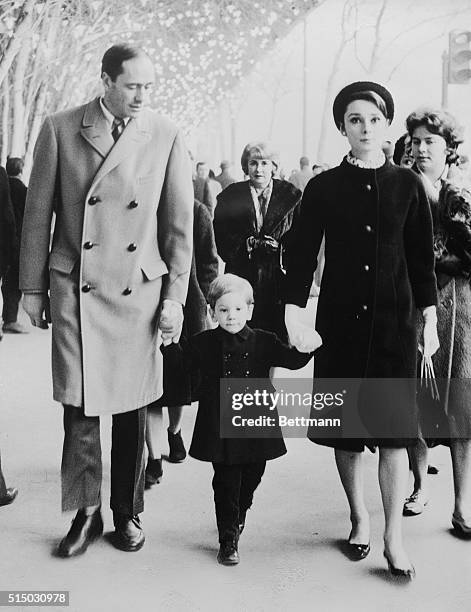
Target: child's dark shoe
{"points": [[228, 554], [242, 515]]}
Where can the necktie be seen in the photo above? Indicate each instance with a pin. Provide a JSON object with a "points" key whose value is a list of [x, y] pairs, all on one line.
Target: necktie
{"points": [[118, 126], [262, 200]]}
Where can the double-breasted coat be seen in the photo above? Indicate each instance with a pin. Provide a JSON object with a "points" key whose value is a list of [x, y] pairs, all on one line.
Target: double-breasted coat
{"points": [[234, 222], [122, 243], [215, 354], [379, 267]]}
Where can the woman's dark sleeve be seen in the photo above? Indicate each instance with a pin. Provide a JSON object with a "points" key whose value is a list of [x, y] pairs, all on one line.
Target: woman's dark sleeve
{"points": [[302, 244], [418, 240], [206, 258]]}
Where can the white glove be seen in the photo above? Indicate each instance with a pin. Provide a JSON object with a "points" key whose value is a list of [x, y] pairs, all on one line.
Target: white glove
{"points": [[301, 336]]}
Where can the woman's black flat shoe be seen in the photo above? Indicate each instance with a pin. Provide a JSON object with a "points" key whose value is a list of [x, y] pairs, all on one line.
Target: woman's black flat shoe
{"points": [[357, 552], [408, 574]]}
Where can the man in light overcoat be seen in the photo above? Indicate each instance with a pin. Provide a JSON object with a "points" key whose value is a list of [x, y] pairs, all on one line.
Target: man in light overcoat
{"points": [[117, 179]]}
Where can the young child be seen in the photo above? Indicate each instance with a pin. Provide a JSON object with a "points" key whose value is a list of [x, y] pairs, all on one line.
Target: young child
{"points": [[233, 350]]}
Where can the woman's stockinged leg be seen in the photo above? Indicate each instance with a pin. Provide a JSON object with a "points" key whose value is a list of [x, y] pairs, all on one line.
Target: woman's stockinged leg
{"points": [[175, 414], [350, 468], [461, 459], [418, 458], [393, 473], [154, 428]]}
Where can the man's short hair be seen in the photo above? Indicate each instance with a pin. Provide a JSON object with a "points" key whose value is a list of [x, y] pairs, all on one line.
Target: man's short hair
{"points": [[229, 283], [14, 166], [200, 163], [112, 62], [304, 161]]}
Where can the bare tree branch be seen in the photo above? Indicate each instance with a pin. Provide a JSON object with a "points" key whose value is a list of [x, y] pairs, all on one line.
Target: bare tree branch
{"points": [[377, 39]]}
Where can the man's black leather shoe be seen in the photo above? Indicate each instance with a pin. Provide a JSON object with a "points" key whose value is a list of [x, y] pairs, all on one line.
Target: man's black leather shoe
{"points": [[228, 554], [128, 535], [9, 496], [84, 530]]}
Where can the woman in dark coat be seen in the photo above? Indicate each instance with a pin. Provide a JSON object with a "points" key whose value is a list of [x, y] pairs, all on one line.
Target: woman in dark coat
{"points": [[378, 269], [435, 136], [250, 221], [177, 389]]}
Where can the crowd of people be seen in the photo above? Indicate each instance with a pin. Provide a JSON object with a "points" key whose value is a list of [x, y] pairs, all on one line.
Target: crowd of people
{"points": [[142, 319]]}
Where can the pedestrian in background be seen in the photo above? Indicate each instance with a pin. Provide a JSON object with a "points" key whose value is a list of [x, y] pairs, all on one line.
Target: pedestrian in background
{"points": [[251, 220], [8, 252], [10, 286], [8, 233], [225, 178], [300, 178], [435, 136]]}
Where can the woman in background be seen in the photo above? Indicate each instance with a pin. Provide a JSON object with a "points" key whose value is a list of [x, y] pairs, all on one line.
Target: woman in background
{"points": [[250, 221], [435, 136]]}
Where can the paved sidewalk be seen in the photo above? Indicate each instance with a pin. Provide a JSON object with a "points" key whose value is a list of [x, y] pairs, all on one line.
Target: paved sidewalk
{"points": [[291, 550]]}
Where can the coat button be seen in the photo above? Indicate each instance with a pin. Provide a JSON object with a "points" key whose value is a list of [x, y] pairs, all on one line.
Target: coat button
{"points": [[133, 204], [368, 187], [127, 291], [448, 302], [86, 288], [368, 228], [88, 245], [366, 268], [93, 200], [364, 307], [132, 247]]}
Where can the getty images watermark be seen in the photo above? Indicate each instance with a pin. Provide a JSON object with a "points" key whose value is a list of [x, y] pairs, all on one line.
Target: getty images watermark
{"points": [[368, 408], [291, 400]]}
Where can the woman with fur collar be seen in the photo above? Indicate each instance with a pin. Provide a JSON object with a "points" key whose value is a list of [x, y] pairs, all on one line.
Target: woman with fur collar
{"points": [[251, 220], [435, 136]]}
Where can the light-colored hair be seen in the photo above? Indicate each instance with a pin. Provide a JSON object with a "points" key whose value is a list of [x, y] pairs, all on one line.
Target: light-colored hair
{"points": [[258, 150], [229, 283]]}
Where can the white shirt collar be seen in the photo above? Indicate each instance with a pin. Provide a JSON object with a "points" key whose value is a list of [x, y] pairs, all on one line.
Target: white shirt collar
{"points": [[109, 115]]}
